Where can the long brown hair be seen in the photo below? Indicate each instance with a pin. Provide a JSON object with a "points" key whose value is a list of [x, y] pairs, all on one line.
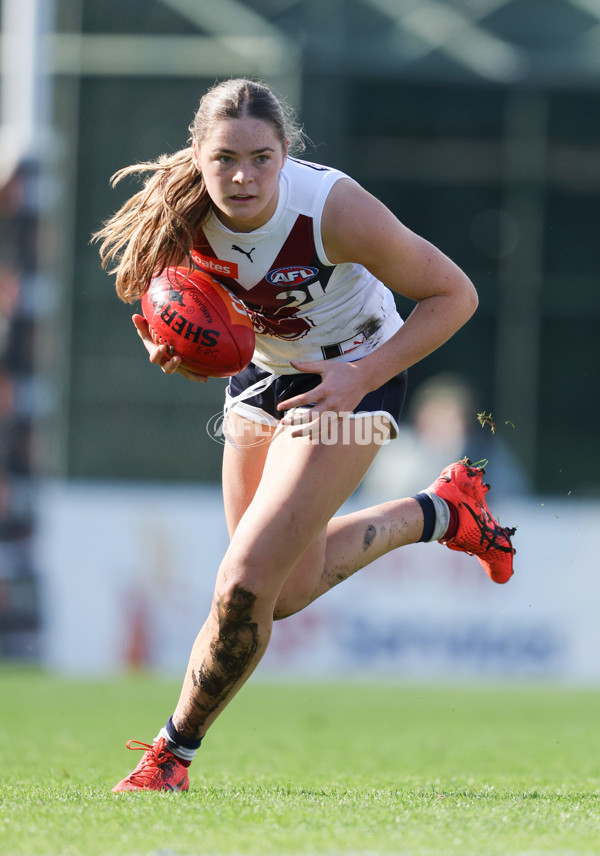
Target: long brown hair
{"points": [[156, 227]]}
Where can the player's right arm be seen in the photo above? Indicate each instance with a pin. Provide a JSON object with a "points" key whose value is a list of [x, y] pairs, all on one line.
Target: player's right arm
{"points": [[159, 355]]}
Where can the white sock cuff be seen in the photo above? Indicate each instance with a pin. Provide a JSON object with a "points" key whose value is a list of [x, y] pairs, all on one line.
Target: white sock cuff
{"points": [[175, 748], [442, 515]]}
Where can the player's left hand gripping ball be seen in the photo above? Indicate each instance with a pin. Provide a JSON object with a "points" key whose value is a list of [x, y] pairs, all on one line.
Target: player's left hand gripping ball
{"points": [[200, 321]]}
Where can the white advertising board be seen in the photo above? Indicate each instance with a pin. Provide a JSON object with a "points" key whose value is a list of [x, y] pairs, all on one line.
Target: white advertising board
{"points": [[128, 573]]}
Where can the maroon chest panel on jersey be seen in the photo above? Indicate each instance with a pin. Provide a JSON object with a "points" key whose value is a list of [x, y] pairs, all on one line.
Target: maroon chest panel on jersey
{"points": [[294, 280]]}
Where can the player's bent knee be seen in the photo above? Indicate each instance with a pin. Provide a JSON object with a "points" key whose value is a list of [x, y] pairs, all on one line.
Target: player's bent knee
{"points": [[281, 612], [241, 605], [235, 605], [284, 607]]}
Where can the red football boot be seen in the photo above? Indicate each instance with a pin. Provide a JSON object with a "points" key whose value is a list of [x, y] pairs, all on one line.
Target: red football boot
{"points": [[159, 770], [478, 533]]}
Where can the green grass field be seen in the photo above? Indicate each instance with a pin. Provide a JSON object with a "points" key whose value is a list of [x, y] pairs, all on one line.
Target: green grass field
{"points": [[311, 769]]}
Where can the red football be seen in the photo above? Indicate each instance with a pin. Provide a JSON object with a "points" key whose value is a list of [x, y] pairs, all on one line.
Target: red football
{"points": [[200, 320]]}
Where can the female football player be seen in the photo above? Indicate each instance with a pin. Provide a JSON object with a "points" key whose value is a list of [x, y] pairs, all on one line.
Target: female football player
{"points": [[315, 258]]}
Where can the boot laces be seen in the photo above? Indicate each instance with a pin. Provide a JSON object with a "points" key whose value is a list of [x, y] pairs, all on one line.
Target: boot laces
{"points": [[155, 753]]}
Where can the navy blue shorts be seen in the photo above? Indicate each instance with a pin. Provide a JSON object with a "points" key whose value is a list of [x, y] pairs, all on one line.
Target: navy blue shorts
{"points": [[261, 407]]}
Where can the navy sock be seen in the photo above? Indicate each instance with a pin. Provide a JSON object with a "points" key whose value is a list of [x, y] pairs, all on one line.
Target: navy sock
{"points": [[183, 747], [440, 517], [429, 515]]}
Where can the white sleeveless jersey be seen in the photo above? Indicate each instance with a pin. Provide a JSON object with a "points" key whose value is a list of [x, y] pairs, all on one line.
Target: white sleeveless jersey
{"points": [[302, 306]]}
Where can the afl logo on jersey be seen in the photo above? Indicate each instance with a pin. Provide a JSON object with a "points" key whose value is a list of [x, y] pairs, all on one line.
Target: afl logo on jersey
{"points": [[296, 275]]}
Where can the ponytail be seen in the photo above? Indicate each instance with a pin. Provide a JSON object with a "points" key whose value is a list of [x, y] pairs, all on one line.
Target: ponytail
{"points": [[155, 228]]}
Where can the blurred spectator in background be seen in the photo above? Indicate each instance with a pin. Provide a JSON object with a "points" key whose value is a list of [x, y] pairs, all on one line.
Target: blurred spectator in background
{"points": [[443, 426]]}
